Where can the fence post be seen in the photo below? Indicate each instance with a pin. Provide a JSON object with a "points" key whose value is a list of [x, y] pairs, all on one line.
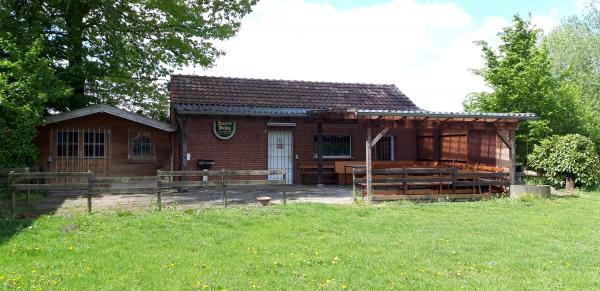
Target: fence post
{"points": [[283, 189], [224, 188], [89, 194], [13, 195], [27, 199], [353, 186], [453, 182], [158, 194]]}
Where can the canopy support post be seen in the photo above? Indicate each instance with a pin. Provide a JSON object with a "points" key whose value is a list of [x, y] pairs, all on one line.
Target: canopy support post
{"points": [[368, 164], [368, 154], [513, 158], [320, 154]]}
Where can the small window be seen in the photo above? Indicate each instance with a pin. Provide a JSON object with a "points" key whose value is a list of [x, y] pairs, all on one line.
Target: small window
{"points": [[384, 149], [67, 143], [336, 146], [141, 147], [93, 144]]}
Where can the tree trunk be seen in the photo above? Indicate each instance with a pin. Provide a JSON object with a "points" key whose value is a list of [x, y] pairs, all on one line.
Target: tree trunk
{"points": [[569, 183], [74, 14]]}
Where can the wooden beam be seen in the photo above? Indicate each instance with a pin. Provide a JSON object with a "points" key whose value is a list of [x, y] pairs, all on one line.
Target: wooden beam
{"points": [[503, 139], [320, 153], [379, 136], [368, 164], [437, 145], [513, 159]]}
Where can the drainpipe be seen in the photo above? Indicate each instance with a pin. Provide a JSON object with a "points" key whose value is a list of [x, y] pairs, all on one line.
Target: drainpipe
{"points": [[182, 143]]}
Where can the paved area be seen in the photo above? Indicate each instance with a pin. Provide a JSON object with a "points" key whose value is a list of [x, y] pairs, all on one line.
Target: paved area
{"points": [[196, 198]]}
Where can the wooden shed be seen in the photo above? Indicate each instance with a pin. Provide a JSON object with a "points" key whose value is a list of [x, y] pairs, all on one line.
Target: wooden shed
{"points": [[105, 140]]}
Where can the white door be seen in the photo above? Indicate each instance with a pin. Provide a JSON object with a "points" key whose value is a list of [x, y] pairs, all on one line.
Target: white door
{"points": [[281, 155]]}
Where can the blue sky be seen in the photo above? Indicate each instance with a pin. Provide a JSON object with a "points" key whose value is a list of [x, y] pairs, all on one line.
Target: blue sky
{"points": [[426, 48], [480, 9]]}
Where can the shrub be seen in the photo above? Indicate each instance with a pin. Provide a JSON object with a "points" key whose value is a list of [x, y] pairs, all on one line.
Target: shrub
{"points": [[571, 159], [27, 82]]}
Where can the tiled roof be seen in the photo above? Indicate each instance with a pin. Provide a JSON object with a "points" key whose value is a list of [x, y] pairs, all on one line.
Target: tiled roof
{"points": [[102, 108], [239, 110], [444, 114], [261, 93]]}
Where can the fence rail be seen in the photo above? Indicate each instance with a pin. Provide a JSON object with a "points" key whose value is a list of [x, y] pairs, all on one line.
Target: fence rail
{"points": [[416, 183], [223, 181], [163, 181]]}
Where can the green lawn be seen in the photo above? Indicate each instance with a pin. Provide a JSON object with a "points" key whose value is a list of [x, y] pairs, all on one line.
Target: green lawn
{"points": [[499, 244]]}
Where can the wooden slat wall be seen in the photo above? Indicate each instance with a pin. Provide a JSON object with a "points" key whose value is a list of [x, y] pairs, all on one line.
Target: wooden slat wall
{"points": [[117, 146], [454, 146], [482, 147], [425, 145]]}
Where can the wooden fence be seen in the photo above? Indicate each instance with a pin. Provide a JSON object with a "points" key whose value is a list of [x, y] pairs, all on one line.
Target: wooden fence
{"points": [[122, 185], [163, 181], [428, 183], [4, 174], [225, 178]]}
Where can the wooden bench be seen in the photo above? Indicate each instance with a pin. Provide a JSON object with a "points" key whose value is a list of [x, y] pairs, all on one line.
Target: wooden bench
{"points": [[310, 172]]}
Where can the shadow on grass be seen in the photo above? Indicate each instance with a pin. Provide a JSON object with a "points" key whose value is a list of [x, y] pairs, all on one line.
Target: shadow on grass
{"points": [[12, 227], [25, 216]]}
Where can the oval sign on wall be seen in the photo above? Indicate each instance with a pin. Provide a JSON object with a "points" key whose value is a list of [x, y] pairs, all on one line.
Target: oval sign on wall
{"points": [[224, 129]]}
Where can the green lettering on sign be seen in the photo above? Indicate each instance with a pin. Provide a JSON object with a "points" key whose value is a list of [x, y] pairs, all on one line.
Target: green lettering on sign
{"points": [[224, 129]]}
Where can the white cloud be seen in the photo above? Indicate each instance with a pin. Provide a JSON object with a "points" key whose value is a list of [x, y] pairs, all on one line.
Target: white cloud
{"points": [[425, 49]]}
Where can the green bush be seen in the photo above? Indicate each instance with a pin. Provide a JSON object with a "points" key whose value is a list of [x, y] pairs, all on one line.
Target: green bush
{"points": [[27, 83], [569, 160]]}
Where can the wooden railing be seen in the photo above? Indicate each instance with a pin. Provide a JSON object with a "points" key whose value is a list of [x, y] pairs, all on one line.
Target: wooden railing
{"points": [[122, 185], [38, 181], [424, 183], [163, 181], [4, 174], [225, 178]]}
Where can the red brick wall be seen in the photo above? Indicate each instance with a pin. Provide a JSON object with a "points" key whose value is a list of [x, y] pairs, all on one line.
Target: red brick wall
{"points": [[247, 149]]}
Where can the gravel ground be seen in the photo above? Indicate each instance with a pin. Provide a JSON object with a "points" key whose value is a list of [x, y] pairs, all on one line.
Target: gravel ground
{"points": [[196, 198]]}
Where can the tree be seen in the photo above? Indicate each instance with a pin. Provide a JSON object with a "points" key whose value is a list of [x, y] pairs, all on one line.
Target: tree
{"points": [[519, 75], [574, 50], [114, 52], [27, 82], [570, 158]]}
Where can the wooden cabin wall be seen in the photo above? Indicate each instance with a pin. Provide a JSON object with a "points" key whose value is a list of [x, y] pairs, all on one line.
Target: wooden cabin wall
{"points": [[482, 147], [120, 165], [473, 146]]}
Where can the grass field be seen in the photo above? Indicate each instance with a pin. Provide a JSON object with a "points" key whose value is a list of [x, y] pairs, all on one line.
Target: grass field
{"points": [[499, 244]]}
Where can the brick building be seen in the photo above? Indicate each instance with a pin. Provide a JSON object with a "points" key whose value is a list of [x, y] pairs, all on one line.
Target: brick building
{"points": [[314, 130], [271, 124]]}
